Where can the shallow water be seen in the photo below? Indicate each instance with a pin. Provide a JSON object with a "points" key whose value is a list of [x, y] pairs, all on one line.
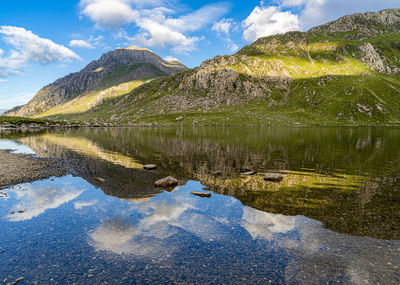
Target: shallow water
{"points": [[333, 219]]}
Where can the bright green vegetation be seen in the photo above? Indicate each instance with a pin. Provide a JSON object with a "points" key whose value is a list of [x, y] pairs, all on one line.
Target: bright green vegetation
{"points": [[296, 79], [120, 74], [21, 120], [86, 102]]}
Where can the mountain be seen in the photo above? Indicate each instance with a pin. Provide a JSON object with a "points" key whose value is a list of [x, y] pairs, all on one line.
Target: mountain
{"points": [[124, 67], [346, 72]]}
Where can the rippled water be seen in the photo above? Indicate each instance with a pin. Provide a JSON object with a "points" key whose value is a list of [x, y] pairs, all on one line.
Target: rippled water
{"points": [[333, 219]]}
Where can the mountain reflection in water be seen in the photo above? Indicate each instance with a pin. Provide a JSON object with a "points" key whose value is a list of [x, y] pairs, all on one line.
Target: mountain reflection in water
{"points": [[80, 235], [346, 178]]}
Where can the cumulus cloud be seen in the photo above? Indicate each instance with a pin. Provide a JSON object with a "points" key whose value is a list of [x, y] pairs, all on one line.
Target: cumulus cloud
{"points": [[28, 47], [80, 44], [266, 21], [317, 12], [109, 13], [158, 25], [223, 27]]}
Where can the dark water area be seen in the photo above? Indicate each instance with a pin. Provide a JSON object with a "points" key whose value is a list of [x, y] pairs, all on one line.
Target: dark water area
{"points": [[334, 218]]}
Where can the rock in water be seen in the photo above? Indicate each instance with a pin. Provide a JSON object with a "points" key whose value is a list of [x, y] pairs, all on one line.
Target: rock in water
{"points": [[150, 167], [273, 177], [166, 182], [249, 173], [201, 194]]}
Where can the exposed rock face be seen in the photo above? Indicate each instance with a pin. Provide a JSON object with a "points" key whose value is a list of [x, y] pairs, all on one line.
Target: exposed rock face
{"points": [[371, 22], [130, 63]]}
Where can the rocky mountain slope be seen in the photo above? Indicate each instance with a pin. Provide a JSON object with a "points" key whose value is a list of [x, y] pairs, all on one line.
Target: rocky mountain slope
{"points": [[346, 72], [112, 69]]}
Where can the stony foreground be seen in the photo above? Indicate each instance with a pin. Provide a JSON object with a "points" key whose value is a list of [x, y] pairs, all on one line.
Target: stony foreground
{"points": [[20, 168]]}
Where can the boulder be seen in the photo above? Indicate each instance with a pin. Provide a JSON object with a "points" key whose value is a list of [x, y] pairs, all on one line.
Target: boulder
{"points": [[166, 182], [201, 194], [179, 119], [273, 177], [150, 167], [249, 173]]}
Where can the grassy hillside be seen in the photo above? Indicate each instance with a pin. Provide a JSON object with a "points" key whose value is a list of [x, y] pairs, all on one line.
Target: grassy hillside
{"points": [[312, 78]]}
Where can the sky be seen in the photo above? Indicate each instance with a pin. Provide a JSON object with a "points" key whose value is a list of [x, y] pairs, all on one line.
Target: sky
{"points": [[41, 41]]}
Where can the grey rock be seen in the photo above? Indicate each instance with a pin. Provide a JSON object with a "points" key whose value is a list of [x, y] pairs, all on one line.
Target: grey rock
{"points": [[166, 182], [273, 177], [249, 173], [143, 62], [179, 119], [201, 194], [150, 167]]}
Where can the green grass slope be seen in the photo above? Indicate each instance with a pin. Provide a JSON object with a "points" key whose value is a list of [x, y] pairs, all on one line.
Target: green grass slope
{"points": [[312, 78]]}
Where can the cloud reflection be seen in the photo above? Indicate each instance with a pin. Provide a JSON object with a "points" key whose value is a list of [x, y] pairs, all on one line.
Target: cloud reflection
{"points": [[32, 200]]}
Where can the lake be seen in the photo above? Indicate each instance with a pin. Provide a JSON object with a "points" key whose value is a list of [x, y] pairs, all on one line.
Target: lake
{"points": [[334, 218]]}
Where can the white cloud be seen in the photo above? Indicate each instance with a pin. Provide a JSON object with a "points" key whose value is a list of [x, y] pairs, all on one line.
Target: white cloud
{"points": [[170, 58], [223, 27], [317, 12], [109, 13], [266, 21], [28, 47], [80, 44], [16, 100], [157, 25], [232, 46]]}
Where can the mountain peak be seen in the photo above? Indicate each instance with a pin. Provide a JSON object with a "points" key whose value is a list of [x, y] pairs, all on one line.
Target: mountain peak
{"points": [[371, 22], [135, 48]]}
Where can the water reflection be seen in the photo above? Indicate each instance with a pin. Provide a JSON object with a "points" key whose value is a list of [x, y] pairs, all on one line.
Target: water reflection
{"points": [[347, 178], [91, 238]]}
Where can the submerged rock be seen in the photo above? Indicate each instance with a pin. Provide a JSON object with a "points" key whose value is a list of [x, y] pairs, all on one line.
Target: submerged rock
{"points": [[150, 167], [201, 194], [273, 177], [249, 173], [166, 182]]}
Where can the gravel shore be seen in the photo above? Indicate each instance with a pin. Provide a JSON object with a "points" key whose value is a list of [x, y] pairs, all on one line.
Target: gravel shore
{"points": [[21, 168]]}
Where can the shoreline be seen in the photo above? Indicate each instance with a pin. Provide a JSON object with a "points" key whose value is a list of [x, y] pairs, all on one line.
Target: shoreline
{"points": [[22, 168]]}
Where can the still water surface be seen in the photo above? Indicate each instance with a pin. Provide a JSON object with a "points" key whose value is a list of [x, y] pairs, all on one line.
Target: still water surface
{"points": [[335, 217]]}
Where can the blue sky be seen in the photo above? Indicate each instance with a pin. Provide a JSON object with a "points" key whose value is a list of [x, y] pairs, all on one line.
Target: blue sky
{"points": [[41, 41]]}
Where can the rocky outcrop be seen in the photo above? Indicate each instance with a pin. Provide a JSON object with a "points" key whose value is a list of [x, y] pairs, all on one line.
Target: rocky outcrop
{"points": [[114, 67], [370, 23]]}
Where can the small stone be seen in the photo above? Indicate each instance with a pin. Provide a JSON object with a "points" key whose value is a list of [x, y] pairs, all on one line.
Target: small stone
{"points": [[19, 280], [150, 167], [249, 173], [179, 119], [166, 182], [273, 177], [201, 194]]}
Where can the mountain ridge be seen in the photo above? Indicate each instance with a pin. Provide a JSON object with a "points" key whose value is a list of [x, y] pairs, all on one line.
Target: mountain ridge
{"points": [[129, 63], [322, 76]]}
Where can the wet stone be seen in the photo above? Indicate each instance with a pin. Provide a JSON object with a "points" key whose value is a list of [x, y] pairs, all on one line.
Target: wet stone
{"points": [[201, 194], [150, 167], [166, 182], [249, 173], [273, 177]]}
